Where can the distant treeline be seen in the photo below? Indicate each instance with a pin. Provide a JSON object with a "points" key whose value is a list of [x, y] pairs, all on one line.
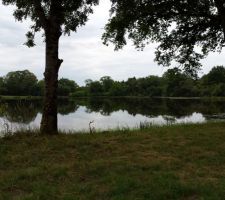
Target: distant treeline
{"points": [[25, 83], [173, 83]]}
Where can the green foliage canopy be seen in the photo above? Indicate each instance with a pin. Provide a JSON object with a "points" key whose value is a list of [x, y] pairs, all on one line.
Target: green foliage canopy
{"points": [[20, 82], [177, 26], [215, 76], [66, 87]]}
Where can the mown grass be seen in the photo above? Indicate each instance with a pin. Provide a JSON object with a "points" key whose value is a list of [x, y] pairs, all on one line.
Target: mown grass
{"points": [[176, 162]]}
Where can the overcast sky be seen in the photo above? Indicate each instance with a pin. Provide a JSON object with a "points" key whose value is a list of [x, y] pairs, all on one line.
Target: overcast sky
{"points": [[84, 55]]}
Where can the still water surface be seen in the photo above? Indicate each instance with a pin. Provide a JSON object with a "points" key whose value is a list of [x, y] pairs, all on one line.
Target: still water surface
{"points": [[112, 113]]}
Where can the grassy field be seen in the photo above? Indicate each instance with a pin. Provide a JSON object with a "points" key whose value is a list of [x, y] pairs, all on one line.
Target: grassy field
{"points": [[184, 162]]}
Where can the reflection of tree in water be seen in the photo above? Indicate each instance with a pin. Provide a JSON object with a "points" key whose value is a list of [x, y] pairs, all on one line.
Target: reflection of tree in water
{"points": [[153, 107], [105, 107], [66, 107], [25, 111], [20, 111]]}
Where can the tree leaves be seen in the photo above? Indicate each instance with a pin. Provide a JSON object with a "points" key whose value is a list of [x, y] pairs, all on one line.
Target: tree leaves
{"points": [[186, 30]]}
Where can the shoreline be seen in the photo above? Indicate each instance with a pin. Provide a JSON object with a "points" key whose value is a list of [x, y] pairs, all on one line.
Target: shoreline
{"points": [[2, 97]]}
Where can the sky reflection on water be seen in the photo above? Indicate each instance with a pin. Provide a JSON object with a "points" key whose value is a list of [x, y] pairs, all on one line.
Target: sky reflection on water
{"points": [[111, 113]]}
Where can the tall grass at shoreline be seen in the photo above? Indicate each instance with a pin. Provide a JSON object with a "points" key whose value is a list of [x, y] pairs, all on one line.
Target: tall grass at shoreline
{"points": [[142, 127]]}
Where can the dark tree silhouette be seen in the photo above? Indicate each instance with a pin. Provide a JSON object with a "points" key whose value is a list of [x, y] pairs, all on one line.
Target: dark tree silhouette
{"points": [[178, 26], [54, 17]]}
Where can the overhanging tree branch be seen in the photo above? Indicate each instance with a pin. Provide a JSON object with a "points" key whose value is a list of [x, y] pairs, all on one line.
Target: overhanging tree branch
{"points": [[178, 27]]}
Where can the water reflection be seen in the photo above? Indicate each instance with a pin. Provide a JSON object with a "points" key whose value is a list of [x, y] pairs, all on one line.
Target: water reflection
{"points": [[112, 113]]}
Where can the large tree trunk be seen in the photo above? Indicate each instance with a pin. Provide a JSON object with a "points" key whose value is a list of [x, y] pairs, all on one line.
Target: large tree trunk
{"points": [[49, 117]]}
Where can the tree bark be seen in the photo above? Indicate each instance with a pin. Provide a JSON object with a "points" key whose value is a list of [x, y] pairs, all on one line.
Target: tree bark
{"points": [[49, 122]]}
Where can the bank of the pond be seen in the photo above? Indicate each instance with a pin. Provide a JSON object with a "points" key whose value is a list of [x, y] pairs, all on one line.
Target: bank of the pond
{"points": [[3, 97], [26, 97], [175, 162], [20, 98]]}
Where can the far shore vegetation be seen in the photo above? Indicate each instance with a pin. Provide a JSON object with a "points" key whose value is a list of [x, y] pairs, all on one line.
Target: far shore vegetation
{"points": [[173, 83], [166, 163]]}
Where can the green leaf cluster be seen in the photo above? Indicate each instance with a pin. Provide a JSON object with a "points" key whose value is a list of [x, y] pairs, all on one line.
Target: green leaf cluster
{"points": [[185, 30]]}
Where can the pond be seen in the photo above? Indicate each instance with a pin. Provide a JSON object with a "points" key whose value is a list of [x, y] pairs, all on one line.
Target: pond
{"points": [[106, 113]]}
